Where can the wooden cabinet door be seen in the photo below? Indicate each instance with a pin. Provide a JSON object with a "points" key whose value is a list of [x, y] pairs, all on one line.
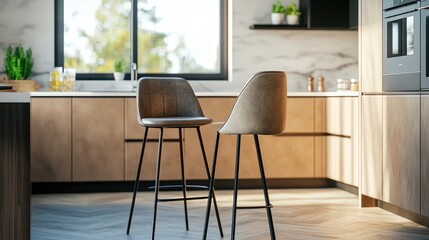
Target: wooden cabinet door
{"points": [[371, 33], [284, 156], [342, 141], [340, 165], [401, 151], [98, 139], [425, 155], [372, 146], [340, 115], [51, 142], [300, 115]]}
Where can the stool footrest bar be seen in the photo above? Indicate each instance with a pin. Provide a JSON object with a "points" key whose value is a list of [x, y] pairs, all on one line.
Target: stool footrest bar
{"points": [[181, 199], [190, 187], [255, 207]]}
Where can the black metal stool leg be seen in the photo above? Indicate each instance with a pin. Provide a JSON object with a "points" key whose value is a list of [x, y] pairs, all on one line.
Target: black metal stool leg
{"points": [[136, 184], [182, 166], [158, 167], [237, 169], [264, 186], [206, 164], [211, 187]]}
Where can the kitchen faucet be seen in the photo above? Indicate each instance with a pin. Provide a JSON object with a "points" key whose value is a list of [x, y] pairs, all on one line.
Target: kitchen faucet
{"points": [[133, 77]]}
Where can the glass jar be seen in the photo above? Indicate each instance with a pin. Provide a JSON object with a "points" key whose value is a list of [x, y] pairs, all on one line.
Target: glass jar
{"points": [[56, 78], [340, 85], [354, 85], [69, 79], [343, 85]]}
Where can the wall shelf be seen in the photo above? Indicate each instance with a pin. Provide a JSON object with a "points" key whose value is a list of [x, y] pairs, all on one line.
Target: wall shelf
{"points": [[296, 27], [322, 15]]}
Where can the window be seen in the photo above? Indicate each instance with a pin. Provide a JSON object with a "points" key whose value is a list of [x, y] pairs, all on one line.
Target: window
{"points": [[185, 38]]}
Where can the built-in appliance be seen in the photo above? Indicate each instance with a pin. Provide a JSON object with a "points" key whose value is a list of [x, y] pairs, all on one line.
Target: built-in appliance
{"points": [[424, 17], [401, 45]]}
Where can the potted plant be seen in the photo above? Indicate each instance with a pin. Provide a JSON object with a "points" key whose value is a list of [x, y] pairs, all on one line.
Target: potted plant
{"points": [[119, 73], [292, 14], [277, 14], [18, 65]]}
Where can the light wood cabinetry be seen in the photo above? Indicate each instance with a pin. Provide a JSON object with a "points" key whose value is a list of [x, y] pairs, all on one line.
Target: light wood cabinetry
{"points": [[424, 155], [342, 141], [401, 151], [51, 154], [300, 115], [285, 156], [372, 146], [340, 115], [339, 164], [370, 42], [98, 139]]}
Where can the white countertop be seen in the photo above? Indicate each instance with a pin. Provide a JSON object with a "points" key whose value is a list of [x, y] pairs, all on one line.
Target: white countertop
{"points": [[13, 97], [199, 94]]}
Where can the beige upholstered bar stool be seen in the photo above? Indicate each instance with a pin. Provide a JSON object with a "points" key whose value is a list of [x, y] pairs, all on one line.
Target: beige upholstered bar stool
{"points": [[169, 103], [260, 109]]}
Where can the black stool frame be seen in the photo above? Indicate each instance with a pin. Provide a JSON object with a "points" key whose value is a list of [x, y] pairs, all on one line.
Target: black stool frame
{"points": [[183, 186], [267, 206]]}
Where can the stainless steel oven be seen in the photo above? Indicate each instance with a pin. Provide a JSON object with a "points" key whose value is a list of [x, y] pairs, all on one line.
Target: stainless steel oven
{"points": [[424, 21], [401, 45]]}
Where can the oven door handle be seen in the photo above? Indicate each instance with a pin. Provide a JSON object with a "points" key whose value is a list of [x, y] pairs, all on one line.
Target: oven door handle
{"points": [[425, 7]]}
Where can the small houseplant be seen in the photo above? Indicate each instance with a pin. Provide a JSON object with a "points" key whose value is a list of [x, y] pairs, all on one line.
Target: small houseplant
{"points": [[292, 14], [119, 73], [18, 65], [277, 13]]}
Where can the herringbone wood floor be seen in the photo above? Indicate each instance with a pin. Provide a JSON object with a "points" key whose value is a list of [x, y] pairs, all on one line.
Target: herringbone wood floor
{"points": [[298, 214]]}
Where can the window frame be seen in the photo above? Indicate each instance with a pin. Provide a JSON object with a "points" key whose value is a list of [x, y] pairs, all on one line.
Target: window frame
{"points": [[222, 75]]}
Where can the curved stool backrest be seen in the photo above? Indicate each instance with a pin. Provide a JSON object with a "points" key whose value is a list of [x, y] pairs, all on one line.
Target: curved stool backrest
{"points": [[166, 97], [261, 106]]}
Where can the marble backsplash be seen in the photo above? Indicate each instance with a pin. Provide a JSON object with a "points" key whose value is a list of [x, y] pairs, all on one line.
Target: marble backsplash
{"points": [[332, 54]]}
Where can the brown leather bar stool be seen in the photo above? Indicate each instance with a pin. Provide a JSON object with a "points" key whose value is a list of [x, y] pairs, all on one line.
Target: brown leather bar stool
{"points": [[260, 109], [169, 103]]}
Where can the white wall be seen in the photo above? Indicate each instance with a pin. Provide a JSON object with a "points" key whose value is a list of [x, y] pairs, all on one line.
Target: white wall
{"points": [[333, 54]]}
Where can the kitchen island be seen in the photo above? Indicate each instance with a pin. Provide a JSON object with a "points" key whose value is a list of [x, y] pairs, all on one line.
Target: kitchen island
{"points": [[94, 137], [15, 187]]}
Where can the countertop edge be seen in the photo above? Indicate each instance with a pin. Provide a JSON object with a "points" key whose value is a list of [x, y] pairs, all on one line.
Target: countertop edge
{"points": [[12, 97], [198, 94]]}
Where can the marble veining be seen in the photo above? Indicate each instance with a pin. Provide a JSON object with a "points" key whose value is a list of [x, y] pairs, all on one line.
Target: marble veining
{"points": [[332, 54], [31, 24]]}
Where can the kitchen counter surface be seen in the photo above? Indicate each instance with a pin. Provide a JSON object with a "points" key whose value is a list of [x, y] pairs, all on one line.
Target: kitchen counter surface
{"points": [[199, 94], [12, 97]]}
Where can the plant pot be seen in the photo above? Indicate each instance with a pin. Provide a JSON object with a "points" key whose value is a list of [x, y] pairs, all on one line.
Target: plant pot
{"points": [[22, 85], [277, 18], [119, 76], [292, 19]]}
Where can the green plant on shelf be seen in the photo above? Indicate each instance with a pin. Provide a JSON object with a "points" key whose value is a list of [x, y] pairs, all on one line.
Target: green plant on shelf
{"points": [[278, 7], [18, 63], [291, 9]]}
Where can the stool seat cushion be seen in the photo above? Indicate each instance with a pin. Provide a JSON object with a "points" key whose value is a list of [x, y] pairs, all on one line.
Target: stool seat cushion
{"points": [[176, 121]]}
